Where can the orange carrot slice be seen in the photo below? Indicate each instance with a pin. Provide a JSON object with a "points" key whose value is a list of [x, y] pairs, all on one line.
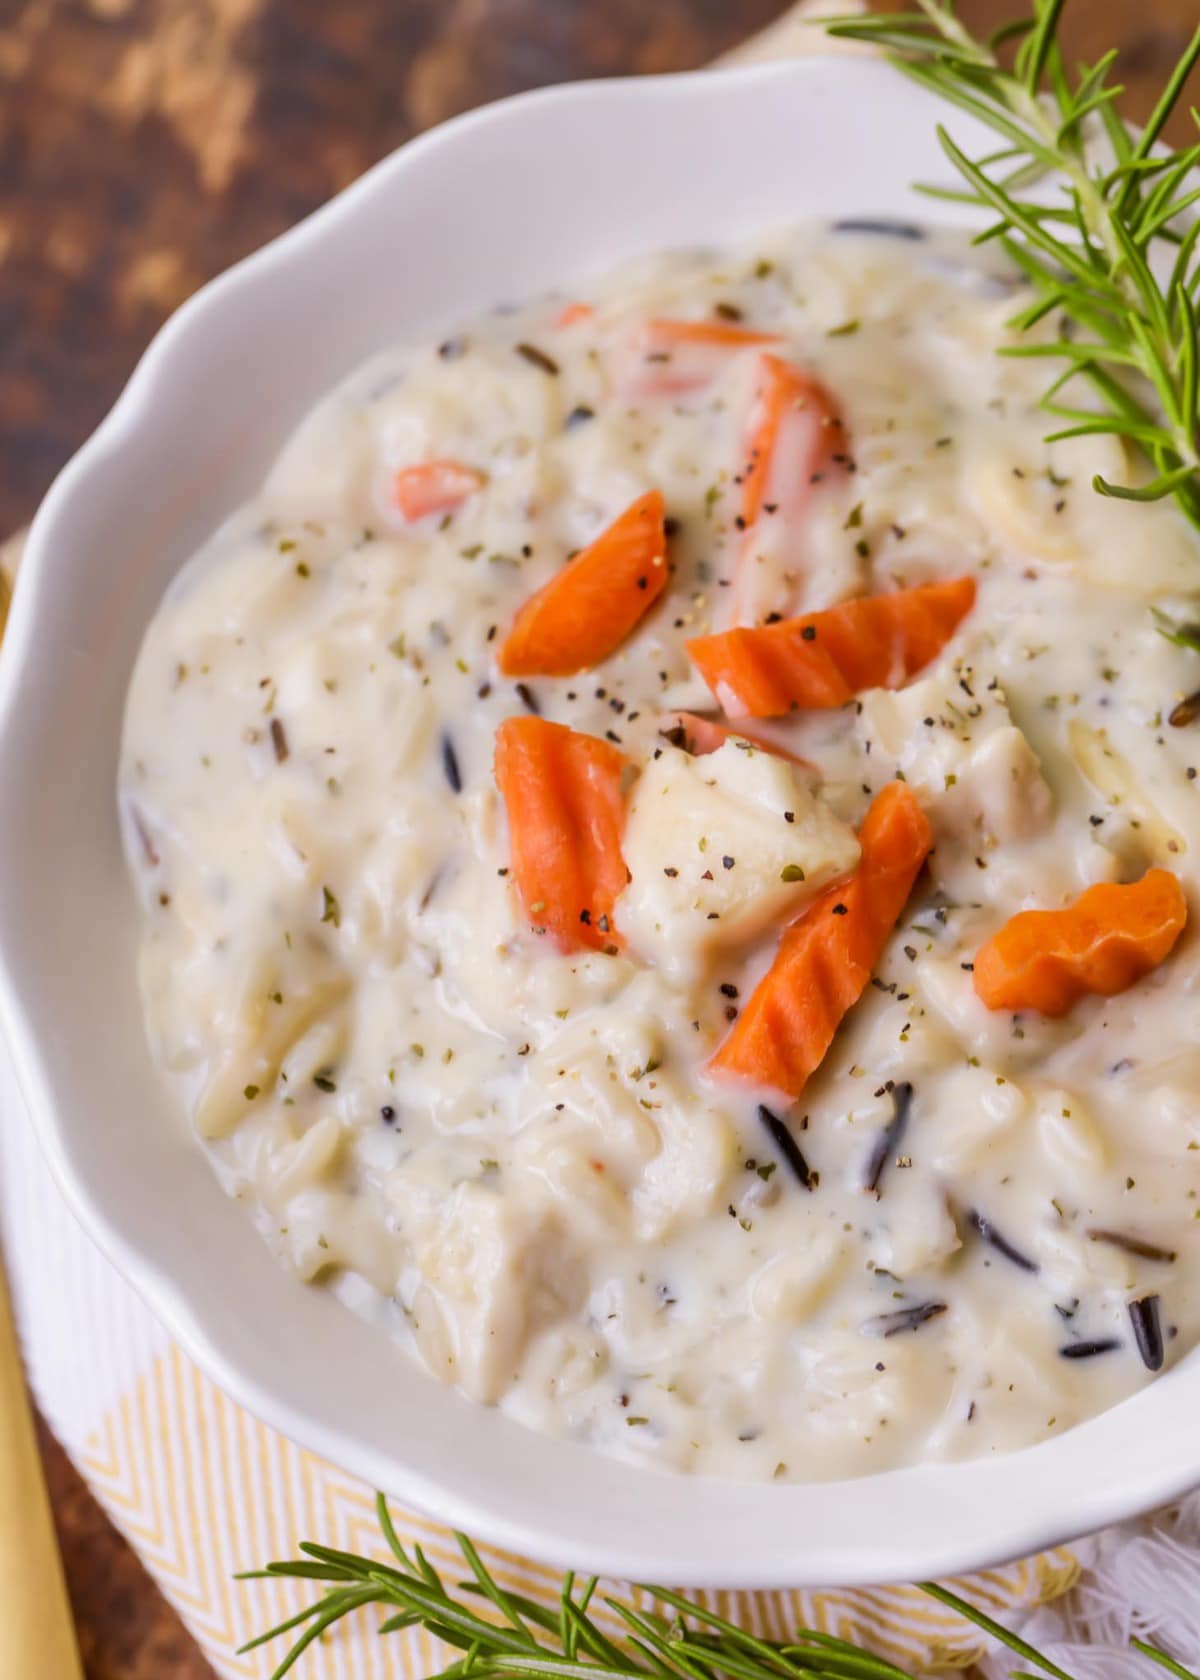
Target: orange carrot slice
{"points": [[792, 432], [794, 439], [434, 487], [572, 313], [826, 958], [679, 356], [665, 334], [700, 736], [566, 816], [823, 659], [1104, 942], [586, 610]]}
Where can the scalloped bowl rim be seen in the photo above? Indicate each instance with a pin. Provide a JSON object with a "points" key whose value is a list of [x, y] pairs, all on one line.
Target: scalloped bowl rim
{"points": [[914, 1523]]}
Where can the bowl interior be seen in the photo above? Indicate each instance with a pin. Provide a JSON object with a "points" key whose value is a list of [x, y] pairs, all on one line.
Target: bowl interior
{"points": [[537, 191]]}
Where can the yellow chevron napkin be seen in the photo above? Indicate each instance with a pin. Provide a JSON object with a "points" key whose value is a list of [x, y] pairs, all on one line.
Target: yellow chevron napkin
{"points": [[202, 1490]]}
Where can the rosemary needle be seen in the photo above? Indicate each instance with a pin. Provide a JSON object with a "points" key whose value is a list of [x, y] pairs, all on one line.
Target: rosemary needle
{"points": [[504, 1634]]}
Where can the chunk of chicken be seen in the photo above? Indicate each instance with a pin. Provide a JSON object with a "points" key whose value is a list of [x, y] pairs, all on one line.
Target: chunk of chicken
{"points": [[721, 848], [952, 738]]}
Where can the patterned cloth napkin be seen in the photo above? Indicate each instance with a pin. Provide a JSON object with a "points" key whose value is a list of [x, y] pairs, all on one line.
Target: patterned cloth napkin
{"points": [[202, 1490]]}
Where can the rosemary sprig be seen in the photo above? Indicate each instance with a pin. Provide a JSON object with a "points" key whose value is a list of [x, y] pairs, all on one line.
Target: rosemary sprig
{"points": [[1107, 235], [506, 1636]]}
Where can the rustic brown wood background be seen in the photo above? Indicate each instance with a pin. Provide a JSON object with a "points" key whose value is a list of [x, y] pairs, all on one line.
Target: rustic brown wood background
{"points": [[147, 144]]}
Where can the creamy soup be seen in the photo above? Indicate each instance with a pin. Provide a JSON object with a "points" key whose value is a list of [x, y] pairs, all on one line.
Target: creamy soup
{"points": [[495, 1124]]}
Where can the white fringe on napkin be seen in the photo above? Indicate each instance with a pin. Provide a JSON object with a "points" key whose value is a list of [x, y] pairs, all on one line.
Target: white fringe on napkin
{"points": [[1143, 1581]]}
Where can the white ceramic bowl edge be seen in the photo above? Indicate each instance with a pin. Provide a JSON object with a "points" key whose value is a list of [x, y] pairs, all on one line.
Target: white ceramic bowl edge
{"points": [[546, 188]]}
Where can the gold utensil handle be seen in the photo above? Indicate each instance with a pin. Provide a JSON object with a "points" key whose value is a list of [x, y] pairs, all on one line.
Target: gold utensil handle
{"points": [[37, 1634], [10, 554]]}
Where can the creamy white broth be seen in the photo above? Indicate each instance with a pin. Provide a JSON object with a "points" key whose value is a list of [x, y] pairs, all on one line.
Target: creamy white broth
{"points": [[513, 1159]]}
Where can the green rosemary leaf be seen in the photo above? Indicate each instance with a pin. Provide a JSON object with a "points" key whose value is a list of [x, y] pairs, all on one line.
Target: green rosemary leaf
{"points": [[1093, 79], [384, 1519], [1184, 257], [1007, 32], [426, 1569], [853, 1665], [1071, 350], [1169, 97], [300, 1570], [1187, 368], [1139, 271], [488, 1586], [931, 77], [948, 195], [982, 1620], [330, 1613], [1105, 425], [1060, 85], [320, 1606], [698, 1645], [809, 1637], [1158, 225], [529, 1608], [1019, 215], [1038, 44], [589, 1635], [1037, 311], [566, 1626], [663, 1656], [1142, 168], [1182, 635], [1164, 485], [558, 1668], [1069, 128], [395, 1624], [1148, 217], [709, 1619], [1120, 400], [1163, 1660], [1119, 137]]}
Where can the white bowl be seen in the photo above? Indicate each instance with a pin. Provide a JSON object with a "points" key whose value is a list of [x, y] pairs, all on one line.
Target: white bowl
{"points": [[547, 188]]}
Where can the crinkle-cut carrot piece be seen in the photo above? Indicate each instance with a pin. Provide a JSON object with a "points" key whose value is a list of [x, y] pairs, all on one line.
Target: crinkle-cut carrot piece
{"points": [[824, 659], [675, 357], [566, 815], [793, 440], [572, 313], [434, 487], [700, 736], [588, 608], [793, 432], [826, 958], [663, 333], [1104, 942]]}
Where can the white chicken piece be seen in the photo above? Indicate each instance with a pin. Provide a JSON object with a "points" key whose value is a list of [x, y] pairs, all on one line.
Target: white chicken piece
{"points": [[493, 1270], [952, 739], [720, 848]]}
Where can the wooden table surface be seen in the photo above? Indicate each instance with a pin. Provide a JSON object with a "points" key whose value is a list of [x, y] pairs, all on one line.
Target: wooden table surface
{"points": [[147, 144]]}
